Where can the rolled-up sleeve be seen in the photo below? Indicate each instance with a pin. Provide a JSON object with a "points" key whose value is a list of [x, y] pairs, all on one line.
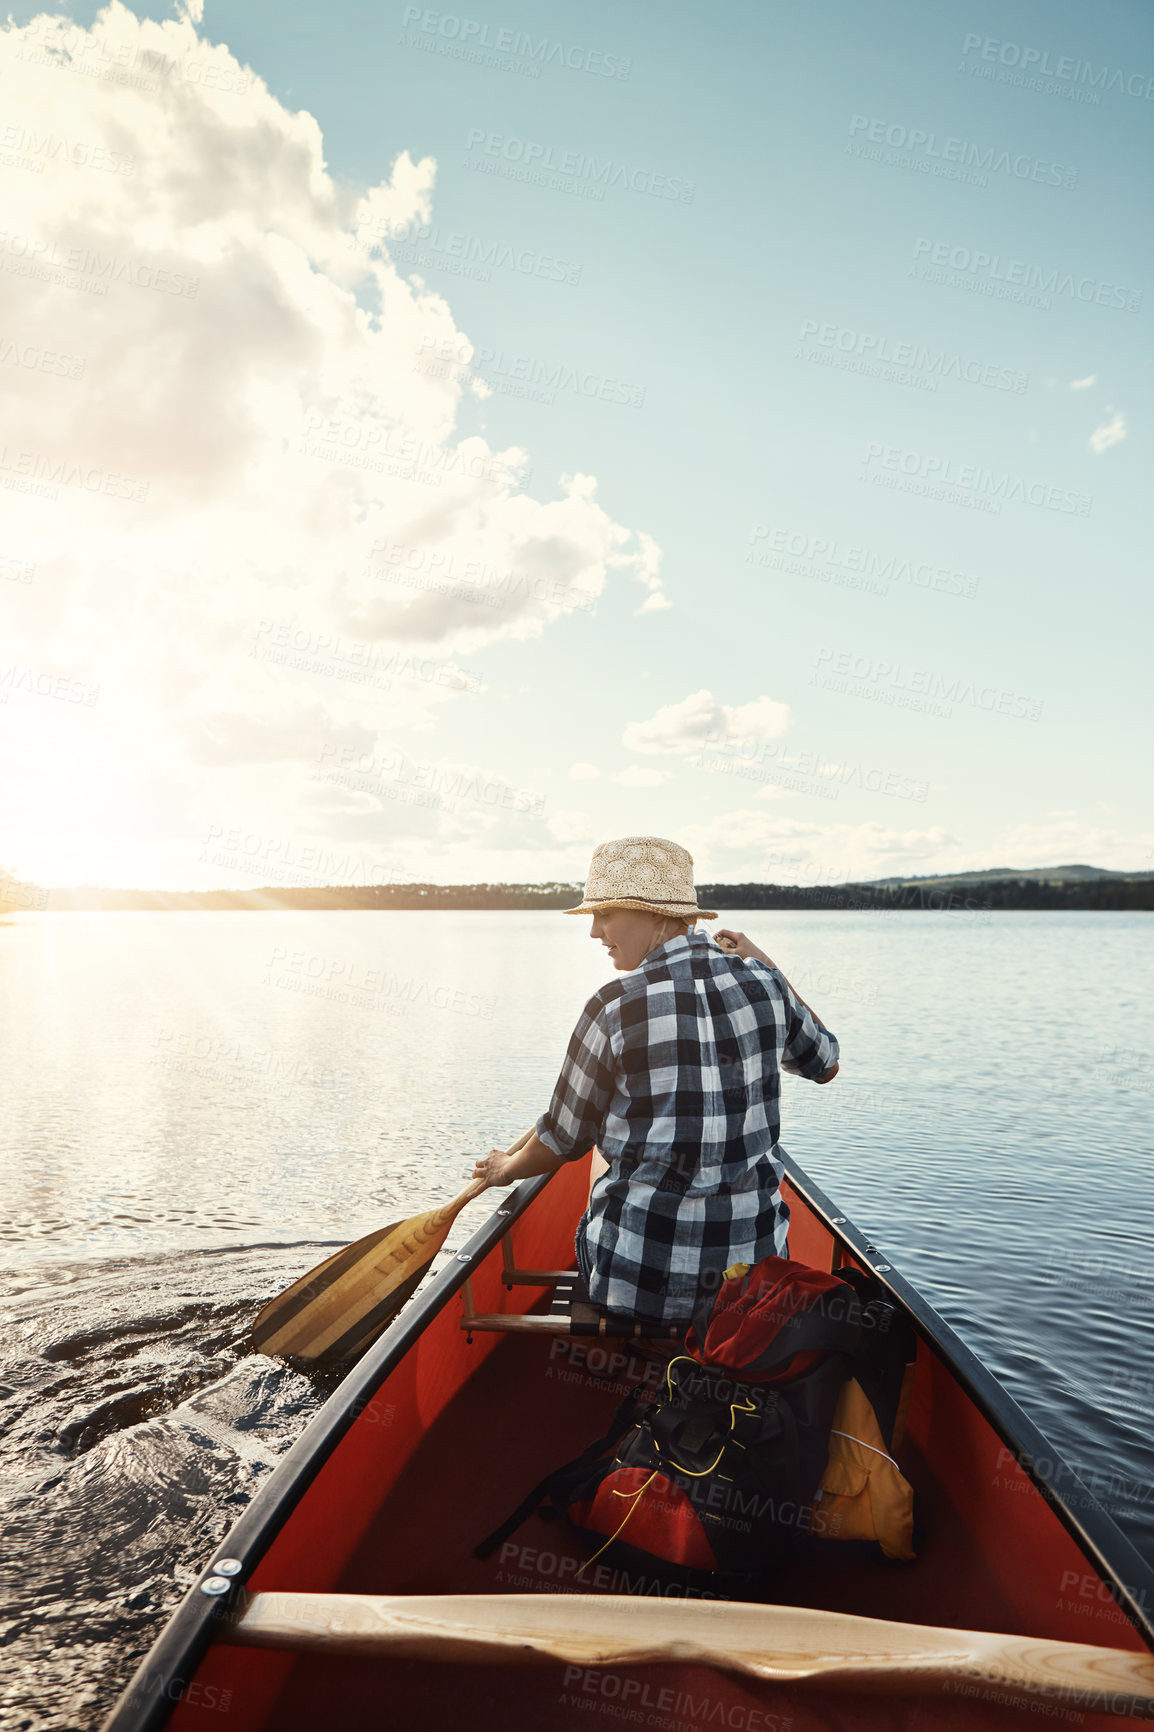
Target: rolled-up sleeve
{"points": [[575, 1117], [810, 1049]]}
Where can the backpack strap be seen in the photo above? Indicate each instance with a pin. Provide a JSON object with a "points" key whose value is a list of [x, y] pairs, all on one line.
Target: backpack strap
{"points": [[553, 1488], [808, 1332]]}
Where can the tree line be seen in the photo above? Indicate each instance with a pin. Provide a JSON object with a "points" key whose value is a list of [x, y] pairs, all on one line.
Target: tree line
{"points": [[1001, 893]]}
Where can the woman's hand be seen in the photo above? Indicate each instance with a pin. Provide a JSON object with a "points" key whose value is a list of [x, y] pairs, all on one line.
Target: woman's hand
{"points": [[740, 945], [528, 1157], [492, 1168]]}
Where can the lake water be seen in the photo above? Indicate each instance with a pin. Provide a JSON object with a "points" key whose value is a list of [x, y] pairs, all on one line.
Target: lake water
{"points": [[195, 1104]]}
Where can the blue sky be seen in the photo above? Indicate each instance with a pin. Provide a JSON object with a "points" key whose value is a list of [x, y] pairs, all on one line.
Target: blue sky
{"points": [[857, 353]]}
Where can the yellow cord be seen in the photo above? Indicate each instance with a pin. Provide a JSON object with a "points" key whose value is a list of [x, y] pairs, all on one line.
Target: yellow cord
{"points": [[734, 1408], [634, 1495]]}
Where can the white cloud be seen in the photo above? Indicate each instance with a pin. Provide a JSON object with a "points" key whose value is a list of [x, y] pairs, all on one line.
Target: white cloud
{"points": [[646, 564], [636, 776], [583, 772], [748, 845], [1068, 839], [754, 845], [239, 438], [566, 827], [699, 720], [1111, 433], [1084, 384]]}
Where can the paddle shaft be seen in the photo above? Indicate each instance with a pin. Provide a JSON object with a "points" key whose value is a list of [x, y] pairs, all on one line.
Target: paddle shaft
{"points": [[335, 1309]]}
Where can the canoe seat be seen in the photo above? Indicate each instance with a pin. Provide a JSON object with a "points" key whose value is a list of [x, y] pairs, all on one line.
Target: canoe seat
{"points": [[571, 1311]]}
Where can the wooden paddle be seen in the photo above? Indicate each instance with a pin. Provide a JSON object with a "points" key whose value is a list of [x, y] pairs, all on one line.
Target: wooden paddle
{"points": [[779, 1644], [340, 1306]]}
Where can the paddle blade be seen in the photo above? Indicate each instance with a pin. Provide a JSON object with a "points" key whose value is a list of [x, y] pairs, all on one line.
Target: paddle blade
{"points": [[338, 1307], [296, 1298]]}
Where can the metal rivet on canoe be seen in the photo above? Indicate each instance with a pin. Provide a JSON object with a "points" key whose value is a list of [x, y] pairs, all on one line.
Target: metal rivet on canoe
{"points": [[838, 1220], [227, 1567], [872, 1249], [215, 1586], [464, 1257], [883, 1268]]}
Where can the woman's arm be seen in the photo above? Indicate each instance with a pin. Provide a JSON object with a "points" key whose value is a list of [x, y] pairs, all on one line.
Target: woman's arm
{"points": [[742, 946], [738, 944], [576, 1112], [528, 1157]]}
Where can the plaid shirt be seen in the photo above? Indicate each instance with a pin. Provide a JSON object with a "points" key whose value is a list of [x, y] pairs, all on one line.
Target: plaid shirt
{"points": [[674, 1071]]}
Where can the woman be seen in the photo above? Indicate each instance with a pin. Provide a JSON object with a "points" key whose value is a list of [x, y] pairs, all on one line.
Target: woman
{"points": [[674, 1072]]}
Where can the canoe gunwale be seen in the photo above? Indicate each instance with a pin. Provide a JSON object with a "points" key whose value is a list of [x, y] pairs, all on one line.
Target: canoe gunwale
{"points": [[170, 1664]]}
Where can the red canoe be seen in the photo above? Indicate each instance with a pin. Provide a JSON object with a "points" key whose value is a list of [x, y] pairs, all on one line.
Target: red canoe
{"points": [[348, 1594]]}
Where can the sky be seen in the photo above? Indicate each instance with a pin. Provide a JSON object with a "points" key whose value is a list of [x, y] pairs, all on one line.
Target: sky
{"points": [[433, 443]]}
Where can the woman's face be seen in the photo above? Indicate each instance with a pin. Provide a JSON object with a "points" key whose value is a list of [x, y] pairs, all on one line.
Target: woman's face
{"points": [[628, 934]]}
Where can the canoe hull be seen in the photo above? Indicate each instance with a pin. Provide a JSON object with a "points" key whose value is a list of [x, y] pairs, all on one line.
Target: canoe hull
{"points": [[432, 1439]]}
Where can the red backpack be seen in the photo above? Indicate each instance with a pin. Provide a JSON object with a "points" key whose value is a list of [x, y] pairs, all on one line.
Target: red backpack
{"points": [[714, 1474]]}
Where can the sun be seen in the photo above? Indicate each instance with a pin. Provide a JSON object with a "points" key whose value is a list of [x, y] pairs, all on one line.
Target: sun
{"points": [[72, 812]]}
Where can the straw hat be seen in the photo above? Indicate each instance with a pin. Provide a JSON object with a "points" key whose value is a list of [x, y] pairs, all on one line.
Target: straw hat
{"points": [[645, 872]]}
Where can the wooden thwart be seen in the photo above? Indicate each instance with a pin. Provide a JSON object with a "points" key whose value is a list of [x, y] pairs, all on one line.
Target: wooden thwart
{"points": [[783, 1644], [570, 1311]]}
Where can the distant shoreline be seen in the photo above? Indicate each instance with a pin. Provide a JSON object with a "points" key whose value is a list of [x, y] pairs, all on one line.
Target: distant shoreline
{"points": [[962, 895]]}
